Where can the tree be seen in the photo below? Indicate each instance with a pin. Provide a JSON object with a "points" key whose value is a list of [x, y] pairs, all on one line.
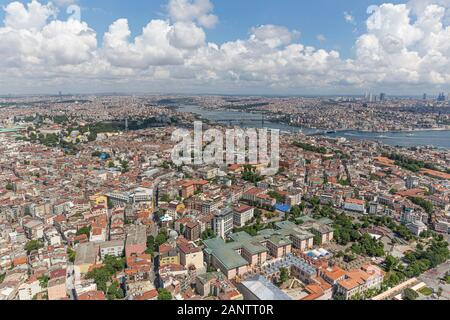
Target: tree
{"points": [[410, 294], [33, 245], [164, 294], [447, 278], [403, 232], [275, 195], [110, 204], [284, 275], [315, 201], [317, 240], [114, 291], [309, 147], [43, 281], [84, 230], [101, 276], [250, 174], [208, 234], [161, 238], [125, 166], [182, 228], [344, 182], [92, 136], [391, 263], [393, 191], [165, 198], [368, 246], [72, 254], [150, 245], [425, 204]]}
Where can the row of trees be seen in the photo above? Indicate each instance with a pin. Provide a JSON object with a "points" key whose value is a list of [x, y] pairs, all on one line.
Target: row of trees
{"points": [[417, 262], [400, 230], [425, 204], [309, 147], [409, 163]]}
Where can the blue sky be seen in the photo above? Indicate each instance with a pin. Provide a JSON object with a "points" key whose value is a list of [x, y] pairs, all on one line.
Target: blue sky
{"points": [[237, 17], [226, 46]]}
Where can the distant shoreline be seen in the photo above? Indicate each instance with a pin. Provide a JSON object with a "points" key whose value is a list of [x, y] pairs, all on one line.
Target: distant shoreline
{"points": [[446, 128]]}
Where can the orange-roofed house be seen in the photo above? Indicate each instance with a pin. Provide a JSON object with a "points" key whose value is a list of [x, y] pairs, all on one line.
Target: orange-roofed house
{"points": [[411, 193], [435, 174], [385, 162], [20, 261], [359, 281], [187, 189], [92, 295], [149, 295], [252, 194], [320, 290], [235, 168], [332, 274]]}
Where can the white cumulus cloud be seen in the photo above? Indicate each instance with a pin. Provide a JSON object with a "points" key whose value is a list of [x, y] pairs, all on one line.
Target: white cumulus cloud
{"points": [[404, 47], [193, 10]]}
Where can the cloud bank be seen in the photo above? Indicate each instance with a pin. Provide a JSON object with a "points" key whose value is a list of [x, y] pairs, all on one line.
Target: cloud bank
{"points": [[404, 46]]}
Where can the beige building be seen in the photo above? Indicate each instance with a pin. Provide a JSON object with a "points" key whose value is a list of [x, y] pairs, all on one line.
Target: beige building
{"points": [[57, 289], [190, 255], [359, 281], [86, 256]]}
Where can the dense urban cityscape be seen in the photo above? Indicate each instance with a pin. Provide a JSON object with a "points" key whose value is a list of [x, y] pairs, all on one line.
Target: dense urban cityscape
{"points": [[224, 158], [93, 207]]}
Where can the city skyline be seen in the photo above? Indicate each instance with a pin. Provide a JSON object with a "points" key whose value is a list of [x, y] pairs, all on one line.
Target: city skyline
{"points": [[212, 152], [208, 47]]}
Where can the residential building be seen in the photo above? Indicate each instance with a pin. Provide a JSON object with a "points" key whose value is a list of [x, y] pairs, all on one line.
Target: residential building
{"points": [[190, 255], [136, 241], [355, 205], [57, 289], [359, 281], [223, 223], [114, 248], [242, 214]]}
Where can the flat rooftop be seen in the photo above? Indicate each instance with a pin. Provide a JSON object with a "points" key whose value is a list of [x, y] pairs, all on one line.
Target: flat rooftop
{"points": [[136, 235], [264, 290], [86, 254]]}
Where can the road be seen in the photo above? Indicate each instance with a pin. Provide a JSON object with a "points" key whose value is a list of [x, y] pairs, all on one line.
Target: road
{"points": [[433, 279], [70, 281]]}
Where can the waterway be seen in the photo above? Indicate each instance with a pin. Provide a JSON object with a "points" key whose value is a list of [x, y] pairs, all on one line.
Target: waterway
{"points": [[437, 139]]}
